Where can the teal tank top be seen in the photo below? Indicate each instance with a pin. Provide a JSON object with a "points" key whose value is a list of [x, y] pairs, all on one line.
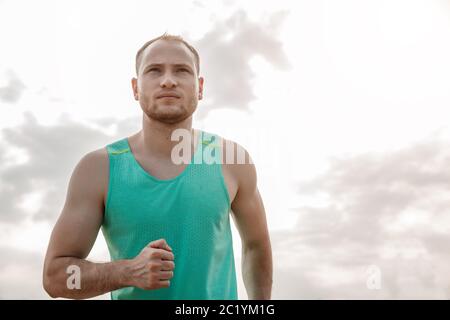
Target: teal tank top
{"points": [[190, 211]]}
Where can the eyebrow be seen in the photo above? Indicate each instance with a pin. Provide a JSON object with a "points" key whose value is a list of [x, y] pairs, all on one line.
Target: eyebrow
{"points": [[161, 64]]}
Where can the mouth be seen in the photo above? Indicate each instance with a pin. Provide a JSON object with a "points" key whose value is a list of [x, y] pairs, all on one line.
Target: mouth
{"points": [[168, 95]]}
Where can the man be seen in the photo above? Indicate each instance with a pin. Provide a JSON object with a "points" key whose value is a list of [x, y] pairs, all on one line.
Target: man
{"points": [[166, 224]]}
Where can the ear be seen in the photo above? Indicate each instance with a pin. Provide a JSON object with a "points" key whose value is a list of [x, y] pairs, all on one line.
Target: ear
{"points": [[200, 88], [134, 85]]}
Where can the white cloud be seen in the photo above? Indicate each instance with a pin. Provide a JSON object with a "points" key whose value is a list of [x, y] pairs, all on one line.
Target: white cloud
{"points": [[13, 90], [347, 90], [377, 213], [51, 152]]}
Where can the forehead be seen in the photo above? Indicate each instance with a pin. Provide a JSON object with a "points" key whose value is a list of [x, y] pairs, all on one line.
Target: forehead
{"points": [[167, 52]]}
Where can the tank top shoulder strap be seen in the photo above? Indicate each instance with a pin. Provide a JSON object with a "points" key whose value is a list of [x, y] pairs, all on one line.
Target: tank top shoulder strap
{"points": [[211, 148], [118, 147]]}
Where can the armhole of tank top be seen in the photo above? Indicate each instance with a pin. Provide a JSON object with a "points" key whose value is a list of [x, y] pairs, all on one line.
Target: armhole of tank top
{"points": [[110, 183], [222, 176]]}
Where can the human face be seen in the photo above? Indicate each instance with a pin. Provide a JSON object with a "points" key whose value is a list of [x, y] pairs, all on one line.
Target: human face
{"points": [[167, 68]]}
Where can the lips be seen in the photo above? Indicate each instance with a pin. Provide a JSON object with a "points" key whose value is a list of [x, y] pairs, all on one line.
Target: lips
{"points": [[168, 95]]}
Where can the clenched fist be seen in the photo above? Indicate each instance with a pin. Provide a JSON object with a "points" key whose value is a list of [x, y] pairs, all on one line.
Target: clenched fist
{"points": [[153, 267]]}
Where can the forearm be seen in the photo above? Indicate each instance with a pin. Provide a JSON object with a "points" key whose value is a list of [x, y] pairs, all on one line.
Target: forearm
{"points": [[95, 278], [257, 272]]}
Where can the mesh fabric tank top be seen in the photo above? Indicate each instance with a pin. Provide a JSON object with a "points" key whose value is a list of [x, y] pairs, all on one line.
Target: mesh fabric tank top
{"points": [[190, 211]]}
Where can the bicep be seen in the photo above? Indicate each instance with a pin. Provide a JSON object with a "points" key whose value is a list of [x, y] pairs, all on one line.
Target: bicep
{"points": [[248, 209], [77, 227]]}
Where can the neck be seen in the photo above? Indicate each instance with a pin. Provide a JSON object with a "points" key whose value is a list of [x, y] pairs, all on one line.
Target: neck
{"points": [[155, 137]]}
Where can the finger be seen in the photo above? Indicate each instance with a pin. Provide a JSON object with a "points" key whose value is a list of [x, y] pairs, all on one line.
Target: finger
{"points": [[168, 247], [160, 244], [166, 275], [167, 265], [164, 284], [162, 254], [166, 255]]}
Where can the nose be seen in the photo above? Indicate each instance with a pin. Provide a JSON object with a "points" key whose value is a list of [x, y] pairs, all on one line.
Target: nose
{"points": [[168, 82]]}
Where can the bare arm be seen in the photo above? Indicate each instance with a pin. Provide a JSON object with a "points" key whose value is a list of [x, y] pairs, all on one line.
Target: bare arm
{"points": [[76, 231], [250, 219]]}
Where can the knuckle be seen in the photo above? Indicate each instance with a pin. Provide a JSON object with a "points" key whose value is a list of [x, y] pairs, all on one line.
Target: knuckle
{"points": [[148, 253], [156, 254]]}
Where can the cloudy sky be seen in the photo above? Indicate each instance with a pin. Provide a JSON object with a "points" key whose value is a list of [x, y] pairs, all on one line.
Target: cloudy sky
{"points": [[342, 104]]}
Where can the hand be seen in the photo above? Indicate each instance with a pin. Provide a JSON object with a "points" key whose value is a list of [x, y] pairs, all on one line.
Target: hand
{"points": [[153, 267]]}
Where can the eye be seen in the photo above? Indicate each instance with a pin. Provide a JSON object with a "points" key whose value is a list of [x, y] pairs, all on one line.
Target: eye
{"points": [[152, 69], [184, 70]]}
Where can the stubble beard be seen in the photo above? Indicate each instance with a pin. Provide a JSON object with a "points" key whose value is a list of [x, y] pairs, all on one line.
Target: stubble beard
{"points": [[173, 114]]}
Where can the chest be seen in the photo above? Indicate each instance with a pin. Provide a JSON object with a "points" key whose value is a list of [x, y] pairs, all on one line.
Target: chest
{"points": [[165, 170]]}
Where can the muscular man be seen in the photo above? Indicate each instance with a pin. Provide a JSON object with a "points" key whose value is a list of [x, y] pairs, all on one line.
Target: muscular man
{"points": [[166, 224]]}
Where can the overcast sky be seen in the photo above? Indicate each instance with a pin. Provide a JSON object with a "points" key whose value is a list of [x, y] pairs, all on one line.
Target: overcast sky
{"points": [[343, 105]]}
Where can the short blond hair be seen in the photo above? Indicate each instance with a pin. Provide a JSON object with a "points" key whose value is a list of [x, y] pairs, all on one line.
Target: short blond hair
{"points": [[167, 36]]}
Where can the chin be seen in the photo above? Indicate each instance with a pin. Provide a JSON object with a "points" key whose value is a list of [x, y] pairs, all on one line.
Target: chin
{"points": [[169, 118], [168, 113]]}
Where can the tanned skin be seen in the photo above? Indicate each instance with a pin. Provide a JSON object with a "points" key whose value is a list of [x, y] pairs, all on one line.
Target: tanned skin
{"points": [[80, 220]]}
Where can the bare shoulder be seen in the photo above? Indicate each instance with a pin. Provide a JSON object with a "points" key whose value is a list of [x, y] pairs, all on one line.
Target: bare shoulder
{"points": [[91, 174], [96, 158], [77, 227], [95, 162], [235, 156], [238, 164]]}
